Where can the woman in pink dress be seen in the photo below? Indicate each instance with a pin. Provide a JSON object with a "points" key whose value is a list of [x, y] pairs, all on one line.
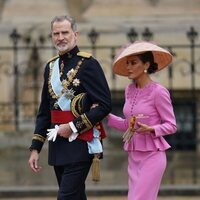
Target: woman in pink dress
{"points": [[148, 116]]}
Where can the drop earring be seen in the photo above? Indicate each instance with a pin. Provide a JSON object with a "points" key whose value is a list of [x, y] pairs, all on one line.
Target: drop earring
{"points": [[145, 71]]}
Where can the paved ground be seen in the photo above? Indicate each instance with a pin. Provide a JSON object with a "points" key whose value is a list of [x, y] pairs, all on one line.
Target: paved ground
{"points": [[107, 198]]}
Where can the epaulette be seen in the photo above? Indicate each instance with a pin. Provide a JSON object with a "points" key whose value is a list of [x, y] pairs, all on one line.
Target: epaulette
{"points": [[53, 58], [84, 54]]}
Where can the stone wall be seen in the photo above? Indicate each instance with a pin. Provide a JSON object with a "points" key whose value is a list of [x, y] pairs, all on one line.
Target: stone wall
{"points": [[168, 20]]}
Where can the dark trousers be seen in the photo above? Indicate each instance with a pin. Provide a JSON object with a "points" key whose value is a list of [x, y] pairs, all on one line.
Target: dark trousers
{"points": [[71, 180]]}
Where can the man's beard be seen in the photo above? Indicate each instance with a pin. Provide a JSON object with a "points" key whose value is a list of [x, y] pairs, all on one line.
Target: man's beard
{"points": [[62, 48]]}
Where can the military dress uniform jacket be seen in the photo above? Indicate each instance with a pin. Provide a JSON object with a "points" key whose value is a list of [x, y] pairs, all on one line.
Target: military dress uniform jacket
{"points": [[79, 73]]}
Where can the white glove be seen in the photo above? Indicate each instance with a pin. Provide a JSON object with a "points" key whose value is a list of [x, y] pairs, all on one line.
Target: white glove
{"points": [[52, 133], [73, 136]]}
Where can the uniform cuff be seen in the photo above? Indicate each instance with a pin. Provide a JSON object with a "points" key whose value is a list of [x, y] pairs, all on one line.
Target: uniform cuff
{"points": [[74, 130]]}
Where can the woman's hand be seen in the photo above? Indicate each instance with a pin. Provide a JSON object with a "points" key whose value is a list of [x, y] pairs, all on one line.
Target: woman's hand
{"points": [[142, 128]]}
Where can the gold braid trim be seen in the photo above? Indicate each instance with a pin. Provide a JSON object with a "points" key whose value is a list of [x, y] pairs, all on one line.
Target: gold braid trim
{"points": [[79, 106], [67, 82], [53, 58], [38, 137], [76, 102], [86, 122], [84, 54]]}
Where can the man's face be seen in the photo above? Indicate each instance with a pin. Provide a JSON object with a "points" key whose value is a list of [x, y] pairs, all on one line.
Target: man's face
{"points": [[63, 37]]}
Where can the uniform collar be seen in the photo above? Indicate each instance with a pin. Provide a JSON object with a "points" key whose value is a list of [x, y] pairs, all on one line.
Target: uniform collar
{"points": [[69, 54]]}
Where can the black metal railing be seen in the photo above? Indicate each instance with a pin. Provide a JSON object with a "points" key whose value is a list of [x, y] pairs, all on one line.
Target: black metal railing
{"points": [[30, 64], [23, 71]]}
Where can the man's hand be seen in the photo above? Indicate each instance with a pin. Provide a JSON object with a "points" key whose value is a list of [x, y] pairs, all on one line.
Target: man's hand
{"points": [[33, 161], [64, 130]]}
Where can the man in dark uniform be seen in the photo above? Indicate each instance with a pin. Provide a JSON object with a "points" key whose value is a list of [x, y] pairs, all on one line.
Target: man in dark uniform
{"points": [[68, 78]]}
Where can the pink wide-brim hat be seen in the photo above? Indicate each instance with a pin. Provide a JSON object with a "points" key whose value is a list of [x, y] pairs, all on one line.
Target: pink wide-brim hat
{"points": [[161, 56]]}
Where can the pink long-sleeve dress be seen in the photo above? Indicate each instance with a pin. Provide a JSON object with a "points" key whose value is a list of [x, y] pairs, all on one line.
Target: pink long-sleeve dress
{"points": [[150, 105]]}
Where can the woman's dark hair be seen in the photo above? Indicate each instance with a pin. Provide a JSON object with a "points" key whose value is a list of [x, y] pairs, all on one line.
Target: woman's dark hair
{"points": [[148, 57]]}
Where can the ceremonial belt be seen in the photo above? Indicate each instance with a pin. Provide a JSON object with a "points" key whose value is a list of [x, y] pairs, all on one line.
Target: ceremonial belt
{"points": [[60, 117]]}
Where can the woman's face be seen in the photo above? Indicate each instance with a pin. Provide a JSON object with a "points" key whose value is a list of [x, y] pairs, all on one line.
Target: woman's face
{"points": [[135, 67]]}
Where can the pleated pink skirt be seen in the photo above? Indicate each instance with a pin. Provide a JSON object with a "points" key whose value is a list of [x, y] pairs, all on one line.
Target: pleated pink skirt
{"points": [[145, 170]]}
